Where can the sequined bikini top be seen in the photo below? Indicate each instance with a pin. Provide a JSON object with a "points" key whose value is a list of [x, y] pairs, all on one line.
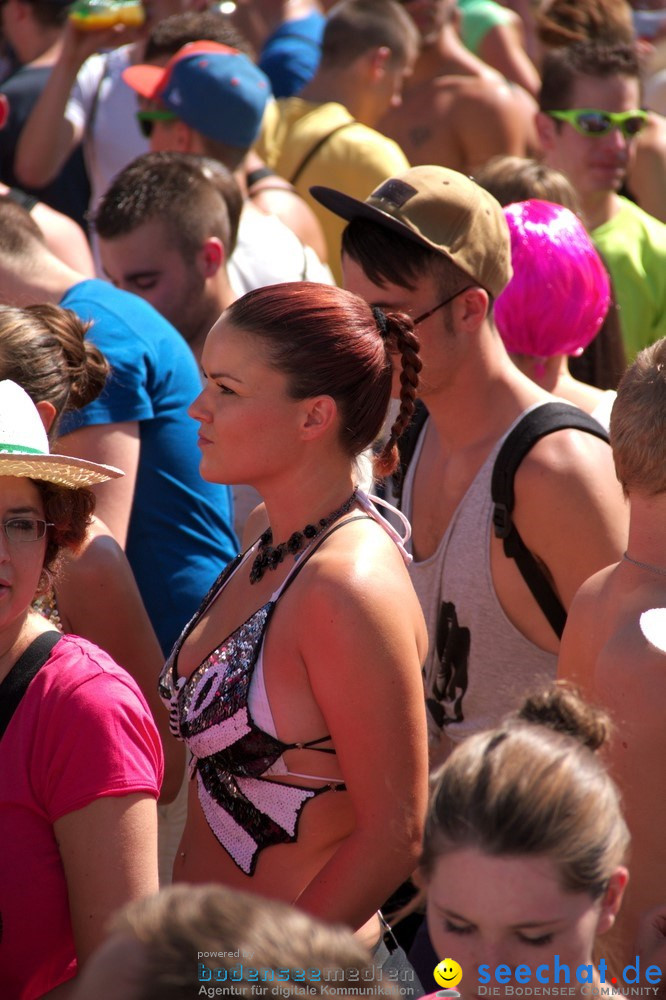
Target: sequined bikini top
{"points": [[234, 759], [231, 755]]}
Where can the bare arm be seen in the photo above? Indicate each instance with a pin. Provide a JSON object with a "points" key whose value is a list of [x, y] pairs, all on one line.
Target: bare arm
{"points": [[582, 639], [98, 599], [504, 49], [570, 510], [111, 444], [65, 238], [490, 123], [48, 138], [109, 854], [364, 637]]}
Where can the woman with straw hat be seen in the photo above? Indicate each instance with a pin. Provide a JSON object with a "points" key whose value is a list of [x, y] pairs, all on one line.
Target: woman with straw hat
{"points": [[45, 349], [80, 758]]}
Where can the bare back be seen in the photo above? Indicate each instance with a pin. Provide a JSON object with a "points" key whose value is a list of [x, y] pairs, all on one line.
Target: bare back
{"points": [[460, 122], [607, 655]]}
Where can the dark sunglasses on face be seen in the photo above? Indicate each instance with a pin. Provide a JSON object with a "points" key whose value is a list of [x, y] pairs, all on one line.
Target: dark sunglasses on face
{"points": [[147, 119], [591, 121]]}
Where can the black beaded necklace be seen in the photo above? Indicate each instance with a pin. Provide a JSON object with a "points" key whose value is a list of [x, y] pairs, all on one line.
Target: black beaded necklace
{"points": [[269, 557]]}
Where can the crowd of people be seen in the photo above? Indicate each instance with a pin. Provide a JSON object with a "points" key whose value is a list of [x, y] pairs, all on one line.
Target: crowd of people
{"points": [[333, 479]]}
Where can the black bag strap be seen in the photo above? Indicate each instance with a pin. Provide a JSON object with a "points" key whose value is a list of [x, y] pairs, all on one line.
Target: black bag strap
{"points": [[26, 667], [406, 448], [534, 425], [315, 149]]}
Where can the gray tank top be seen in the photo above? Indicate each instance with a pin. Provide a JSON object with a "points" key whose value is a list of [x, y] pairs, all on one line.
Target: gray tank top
{"points": [[479, 666]]}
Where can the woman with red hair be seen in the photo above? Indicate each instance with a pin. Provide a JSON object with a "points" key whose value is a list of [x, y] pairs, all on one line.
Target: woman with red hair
{"points": [[297, 685]]}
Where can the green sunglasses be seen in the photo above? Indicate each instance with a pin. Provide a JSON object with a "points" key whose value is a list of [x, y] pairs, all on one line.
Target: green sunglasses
{"points": [[591, 121], [147, 119]]}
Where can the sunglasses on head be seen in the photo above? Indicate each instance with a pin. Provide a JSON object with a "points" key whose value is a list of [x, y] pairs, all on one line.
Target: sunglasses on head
{"points": [[147, 119], [591, 121]]}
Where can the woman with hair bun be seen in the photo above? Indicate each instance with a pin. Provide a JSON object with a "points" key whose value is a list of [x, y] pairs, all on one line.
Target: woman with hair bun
{"points": [[80, 757], [297, 685], [556, 302], [524, 846], [91, 591]]}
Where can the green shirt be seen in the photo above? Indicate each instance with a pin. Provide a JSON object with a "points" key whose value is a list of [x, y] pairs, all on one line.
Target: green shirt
{"points": [[478, 18], [633, 244]]}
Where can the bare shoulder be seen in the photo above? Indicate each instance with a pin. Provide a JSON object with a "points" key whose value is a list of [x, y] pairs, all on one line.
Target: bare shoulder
{"points": [[594, 592], [586, 631], [359, 577], [99, 555], [469, 90], [562, 465], [358, 559], [586, 612], [569, 509], [565, 467]]}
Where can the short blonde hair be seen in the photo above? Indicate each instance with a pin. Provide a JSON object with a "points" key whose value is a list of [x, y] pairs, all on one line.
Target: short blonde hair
{"points": [[176, 925], [638, 423]]}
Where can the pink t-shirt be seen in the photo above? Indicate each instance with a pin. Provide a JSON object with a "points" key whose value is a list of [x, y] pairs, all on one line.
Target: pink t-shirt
{"points": [[81, 731]]}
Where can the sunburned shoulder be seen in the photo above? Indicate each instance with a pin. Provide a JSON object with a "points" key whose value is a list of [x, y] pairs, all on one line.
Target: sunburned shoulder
{"points": [[355, 562]]}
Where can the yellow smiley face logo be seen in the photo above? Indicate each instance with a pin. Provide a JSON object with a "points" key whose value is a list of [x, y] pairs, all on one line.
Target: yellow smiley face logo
{"points": [[448, 973]]}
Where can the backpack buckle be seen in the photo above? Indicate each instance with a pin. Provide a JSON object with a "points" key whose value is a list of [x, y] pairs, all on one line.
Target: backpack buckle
{"points": [[502, 522]]}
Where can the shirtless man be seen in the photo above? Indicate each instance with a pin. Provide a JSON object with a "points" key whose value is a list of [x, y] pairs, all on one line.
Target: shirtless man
{"points": [[433, 243], [614, 645], [456, 110]]}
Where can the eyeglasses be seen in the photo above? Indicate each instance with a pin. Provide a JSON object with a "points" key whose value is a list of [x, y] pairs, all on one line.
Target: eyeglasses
{"points": [[25, 529], [591, 121], [147, 119], [427, 315]]}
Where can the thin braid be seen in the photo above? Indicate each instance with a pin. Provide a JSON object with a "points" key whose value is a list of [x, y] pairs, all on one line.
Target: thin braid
{"points": [[400, 335]]}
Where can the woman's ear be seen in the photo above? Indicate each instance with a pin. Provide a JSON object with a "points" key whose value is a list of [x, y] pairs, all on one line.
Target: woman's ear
{"points": [[319, 413], [47, 412], [612, 899]]}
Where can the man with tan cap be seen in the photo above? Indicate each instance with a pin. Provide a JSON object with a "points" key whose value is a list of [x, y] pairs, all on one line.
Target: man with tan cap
{"points": [[433, 243]]}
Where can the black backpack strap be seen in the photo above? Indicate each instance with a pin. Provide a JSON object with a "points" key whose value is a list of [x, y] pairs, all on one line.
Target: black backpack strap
{"points": [[406, 448], [315, 149], [26, 667], [536, 424], [260, 174]]}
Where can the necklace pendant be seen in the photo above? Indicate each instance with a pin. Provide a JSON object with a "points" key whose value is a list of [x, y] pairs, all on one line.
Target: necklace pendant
{"points": [[269, 557]]}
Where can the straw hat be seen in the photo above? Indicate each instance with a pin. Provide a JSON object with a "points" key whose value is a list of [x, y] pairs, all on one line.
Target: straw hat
{"points": [[24, 446]]}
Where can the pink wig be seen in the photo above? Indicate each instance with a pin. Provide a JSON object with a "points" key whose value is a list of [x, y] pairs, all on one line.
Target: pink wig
{"points": [[560, 292]]}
